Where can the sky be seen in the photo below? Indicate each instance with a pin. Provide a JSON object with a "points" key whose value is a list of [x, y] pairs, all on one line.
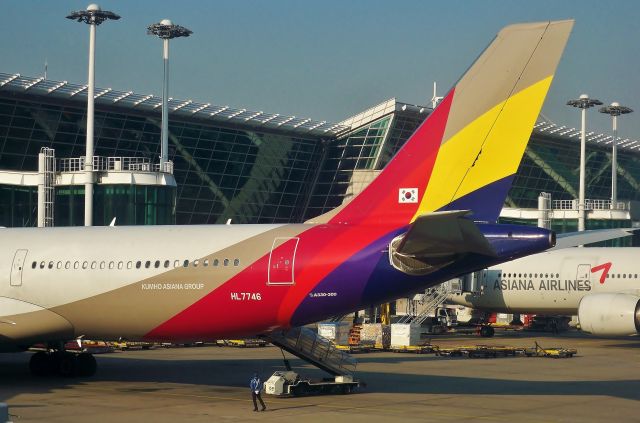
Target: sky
{"points": [[324, 60]]}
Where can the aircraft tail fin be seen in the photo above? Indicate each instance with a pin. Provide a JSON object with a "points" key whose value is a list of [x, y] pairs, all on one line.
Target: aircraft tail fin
{"points": [[465, 155]]}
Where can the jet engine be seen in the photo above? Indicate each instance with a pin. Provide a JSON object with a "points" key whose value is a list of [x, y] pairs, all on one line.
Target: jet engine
{"points": [[610, 314]]}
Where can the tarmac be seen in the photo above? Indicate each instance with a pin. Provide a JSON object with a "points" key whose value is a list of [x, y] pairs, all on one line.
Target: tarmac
{"points": [[210, 384]]}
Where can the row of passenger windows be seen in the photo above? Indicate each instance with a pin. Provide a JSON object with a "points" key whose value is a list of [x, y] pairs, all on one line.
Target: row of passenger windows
{"points": [[557, 275], [148, 264]]}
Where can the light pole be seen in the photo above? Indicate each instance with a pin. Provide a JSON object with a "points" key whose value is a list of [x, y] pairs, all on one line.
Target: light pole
{"points": [[166, 31], [584, 102], [93, 16], [614, 110]]}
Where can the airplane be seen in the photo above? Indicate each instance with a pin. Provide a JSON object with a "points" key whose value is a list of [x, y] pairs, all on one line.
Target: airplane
{"points": [[429, 216], [599, 285]]}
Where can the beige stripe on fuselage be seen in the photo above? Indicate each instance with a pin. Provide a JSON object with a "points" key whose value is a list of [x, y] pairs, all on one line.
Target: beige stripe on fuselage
{"points": [[113, 302]]}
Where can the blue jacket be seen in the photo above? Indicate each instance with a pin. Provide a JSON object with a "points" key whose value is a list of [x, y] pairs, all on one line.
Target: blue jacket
{"points": [[255, 384]]}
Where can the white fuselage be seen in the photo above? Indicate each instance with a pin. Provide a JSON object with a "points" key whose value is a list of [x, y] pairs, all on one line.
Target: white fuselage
{"points": [[553, 282]]}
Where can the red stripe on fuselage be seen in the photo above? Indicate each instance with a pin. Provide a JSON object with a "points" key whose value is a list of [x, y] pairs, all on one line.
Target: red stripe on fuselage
{"points": [[321, 249]]}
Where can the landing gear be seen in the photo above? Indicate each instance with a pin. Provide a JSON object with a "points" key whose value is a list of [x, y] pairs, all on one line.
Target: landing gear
{"points": [[62, 363], [487, 331]]}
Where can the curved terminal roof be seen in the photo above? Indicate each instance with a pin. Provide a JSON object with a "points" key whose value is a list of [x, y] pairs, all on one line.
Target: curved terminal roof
{"points": [[188, 108], [220, 114]]}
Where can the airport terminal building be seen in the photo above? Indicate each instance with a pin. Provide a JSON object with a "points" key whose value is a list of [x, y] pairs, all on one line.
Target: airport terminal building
{"points": [[255, 167]]}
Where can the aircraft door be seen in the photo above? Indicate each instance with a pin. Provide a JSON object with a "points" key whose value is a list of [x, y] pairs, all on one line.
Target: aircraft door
{"points": [[584, 272], [17, 267], [282, 261]]}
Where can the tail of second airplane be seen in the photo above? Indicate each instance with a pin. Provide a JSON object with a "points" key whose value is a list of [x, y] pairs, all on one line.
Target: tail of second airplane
{"points": [[466, 153]]}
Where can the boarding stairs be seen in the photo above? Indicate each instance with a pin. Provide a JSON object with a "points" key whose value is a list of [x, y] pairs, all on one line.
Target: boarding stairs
{"points": [[433, 298], [306, 344]]}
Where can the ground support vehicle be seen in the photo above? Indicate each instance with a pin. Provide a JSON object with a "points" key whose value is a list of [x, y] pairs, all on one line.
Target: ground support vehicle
{"points": [[242, 343], [416, 349], [479, 351], [553, 352], [355, 349], [289, 383]]}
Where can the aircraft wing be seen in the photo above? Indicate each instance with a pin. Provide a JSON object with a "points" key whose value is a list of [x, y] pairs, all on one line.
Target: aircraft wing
{"points": [[443, 234], [573, 239]]}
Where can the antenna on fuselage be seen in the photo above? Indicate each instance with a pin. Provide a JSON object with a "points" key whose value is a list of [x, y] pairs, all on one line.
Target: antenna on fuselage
{"points": [[113, 222]]}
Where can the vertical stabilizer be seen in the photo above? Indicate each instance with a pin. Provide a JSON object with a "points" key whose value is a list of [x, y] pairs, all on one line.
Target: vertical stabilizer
{"points": [[466, 153]]}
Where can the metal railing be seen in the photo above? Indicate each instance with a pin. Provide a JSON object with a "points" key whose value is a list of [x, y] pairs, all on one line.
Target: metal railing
{"points": [[589, 204], [114, 164], [315, 349], [433, 298]]}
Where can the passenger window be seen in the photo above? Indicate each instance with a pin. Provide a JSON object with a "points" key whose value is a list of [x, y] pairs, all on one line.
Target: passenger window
{"points": [[157, 264], [176, 263], [138, 264], [67, 264], [166, 264], [147, 264], [93, 265], [196, 262], [34, 265], [185, 263], [59, 265], [50, 265], [111, 264], [236, 262], [216, 262], [120, 265], [226, 262], [42, 265], [129, 264], [205, 262], [102, 264], [624, 276], [85, 264]]}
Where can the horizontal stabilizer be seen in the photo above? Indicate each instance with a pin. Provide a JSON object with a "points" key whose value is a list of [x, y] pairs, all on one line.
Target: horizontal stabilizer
{"points": [[444, 234], [573, 239]]}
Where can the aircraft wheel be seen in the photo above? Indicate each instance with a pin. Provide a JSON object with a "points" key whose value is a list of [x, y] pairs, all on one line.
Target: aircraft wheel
{"points": [[86, 365], [40, 363], [66, 364], [487, 331]]}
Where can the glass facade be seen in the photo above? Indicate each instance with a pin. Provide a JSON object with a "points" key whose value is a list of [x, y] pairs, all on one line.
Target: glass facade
{"points": [[18, 206], [229, 170], [221, 172], [367, 148], [552, 165], [128, 204]]}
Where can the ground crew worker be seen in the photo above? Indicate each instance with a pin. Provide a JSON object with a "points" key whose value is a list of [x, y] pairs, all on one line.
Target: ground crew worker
{"points": [[256, 387]]}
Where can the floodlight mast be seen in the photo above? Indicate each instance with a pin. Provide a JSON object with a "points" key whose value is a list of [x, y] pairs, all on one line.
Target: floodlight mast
{"points": [[93, 16], [166, 30], [615, 110], [584, 103]]}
